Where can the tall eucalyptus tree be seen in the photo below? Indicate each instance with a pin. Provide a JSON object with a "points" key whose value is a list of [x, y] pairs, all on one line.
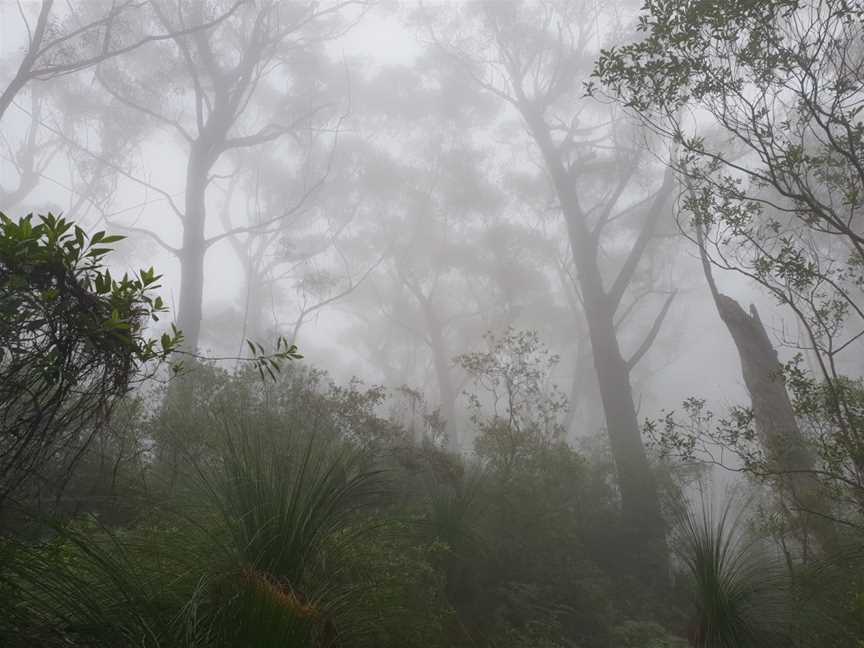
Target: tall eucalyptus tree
{"points": [[533, 57], [249, 81]]}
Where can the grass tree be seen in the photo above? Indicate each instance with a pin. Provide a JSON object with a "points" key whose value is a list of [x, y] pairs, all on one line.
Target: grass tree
{"points": [[737, 588]]}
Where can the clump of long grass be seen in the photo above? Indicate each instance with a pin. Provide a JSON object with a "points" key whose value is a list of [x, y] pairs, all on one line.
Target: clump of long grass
{"points": [[738, 585], [88, 585], [284, 496], [291, 504], [255, 561]]}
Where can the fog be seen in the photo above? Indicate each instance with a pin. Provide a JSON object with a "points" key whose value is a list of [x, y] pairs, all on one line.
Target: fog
{"points": [[457, 203], [386, 42]]}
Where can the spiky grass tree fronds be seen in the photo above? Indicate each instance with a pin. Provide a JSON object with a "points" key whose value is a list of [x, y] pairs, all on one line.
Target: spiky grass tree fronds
{"points": [[292, 501], [87, 587], [254, 560], [285, 496], [738, 586], [454, 511]]}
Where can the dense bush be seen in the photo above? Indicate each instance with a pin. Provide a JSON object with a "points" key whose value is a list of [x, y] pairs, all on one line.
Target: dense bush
{"points": [[288, 512], [72, 341]]}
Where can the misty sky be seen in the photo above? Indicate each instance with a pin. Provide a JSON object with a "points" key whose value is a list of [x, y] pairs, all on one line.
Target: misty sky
{"points": [[692, 354]]}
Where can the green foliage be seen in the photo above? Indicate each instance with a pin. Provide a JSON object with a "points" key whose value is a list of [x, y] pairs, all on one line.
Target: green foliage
{"points": [[694, 432], [544, 516], [252, 554], [404, 595], [838, 441], [287, 498], [271, 363], [644, 634], [828, 598], [513, 376], [287, 513], [292, 525], [72, 340], [773, 170], [522, 552], [772, 167], [90, 586]]}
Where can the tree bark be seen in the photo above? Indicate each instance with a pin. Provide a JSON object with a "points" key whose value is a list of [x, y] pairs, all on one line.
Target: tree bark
{"points": [[584, 412], [639, 497], [444, 377], [776, 426], [194, 247]]}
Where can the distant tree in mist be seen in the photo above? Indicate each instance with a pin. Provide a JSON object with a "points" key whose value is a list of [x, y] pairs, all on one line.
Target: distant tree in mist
{"points": [[422, 294], [308, 261], [453, 265], [65, 40], [29, 156], [66, 139], [250, 80], [44, 82], [533, 58]]}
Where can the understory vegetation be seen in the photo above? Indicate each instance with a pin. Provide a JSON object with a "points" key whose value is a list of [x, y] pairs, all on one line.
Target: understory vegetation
{"points": [[290, 513], [532, 231]]}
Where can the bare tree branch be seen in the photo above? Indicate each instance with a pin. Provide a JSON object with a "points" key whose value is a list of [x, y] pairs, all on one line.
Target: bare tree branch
{"points": [[625, 275], [652, 333], [101, 158], [352, 286], [173, 123]]}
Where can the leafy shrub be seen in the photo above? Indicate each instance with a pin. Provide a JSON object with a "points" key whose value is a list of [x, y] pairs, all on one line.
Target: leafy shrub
{"points": [[72, 340]]}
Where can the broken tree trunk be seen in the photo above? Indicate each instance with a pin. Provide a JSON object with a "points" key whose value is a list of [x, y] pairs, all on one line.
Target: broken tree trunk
{"points": [[789, 460]]}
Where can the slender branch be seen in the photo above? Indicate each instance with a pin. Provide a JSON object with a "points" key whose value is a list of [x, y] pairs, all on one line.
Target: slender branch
{"points": [[101, 158], [352, 286], [152, 235], [270, 132], [173, 123], [25, 69], [609, 203], [652, 333], [625, 275], [49, 71]]}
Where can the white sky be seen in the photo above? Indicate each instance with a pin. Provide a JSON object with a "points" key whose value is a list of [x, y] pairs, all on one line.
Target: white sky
{"points": [[380, 39]]}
